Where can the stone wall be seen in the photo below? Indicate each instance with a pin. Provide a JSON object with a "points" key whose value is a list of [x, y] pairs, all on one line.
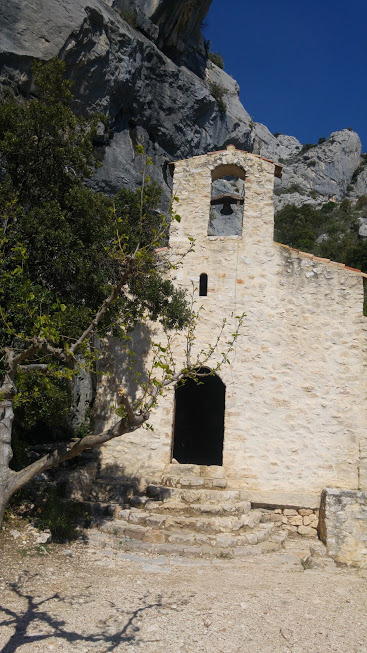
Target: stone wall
{"points": [[295, 412], [343, 518], [303, 521]]}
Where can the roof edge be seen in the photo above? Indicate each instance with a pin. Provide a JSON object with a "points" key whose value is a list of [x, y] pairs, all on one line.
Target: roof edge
{"points": [[322, 260], [277, 170]]}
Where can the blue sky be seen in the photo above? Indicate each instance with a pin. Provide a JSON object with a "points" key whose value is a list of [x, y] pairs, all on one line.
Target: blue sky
{"points": [[301, 64]]}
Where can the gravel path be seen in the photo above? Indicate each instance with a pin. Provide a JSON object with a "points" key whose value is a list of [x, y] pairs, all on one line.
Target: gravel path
{"points": [[77, 598]]}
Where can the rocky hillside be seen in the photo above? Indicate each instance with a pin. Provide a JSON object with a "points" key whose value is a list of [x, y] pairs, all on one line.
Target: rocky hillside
{"points": [[144, 64]]}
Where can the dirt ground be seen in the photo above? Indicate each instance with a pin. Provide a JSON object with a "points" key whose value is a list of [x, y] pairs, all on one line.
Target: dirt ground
{"points": [[80, 598]]}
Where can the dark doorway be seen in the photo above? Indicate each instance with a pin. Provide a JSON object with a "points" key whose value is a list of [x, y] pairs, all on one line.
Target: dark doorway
{"points": [[199, 420]]}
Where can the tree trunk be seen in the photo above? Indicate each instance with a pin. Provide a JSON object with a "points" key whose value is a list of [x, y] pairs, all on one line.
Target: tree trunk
{"points": [[7, 392], [3, 503]]}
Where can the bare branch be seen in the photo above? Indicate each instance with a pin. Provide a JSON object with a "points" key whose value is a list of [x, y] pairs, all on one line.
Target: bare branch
{"points": [[71, 449], [128, 407], [13, 361], [34, 366], [101, 313]]}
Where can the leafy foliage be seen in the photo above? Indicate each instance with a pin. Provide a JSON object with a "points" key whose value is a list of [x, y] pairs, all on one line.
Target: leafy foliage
{"points": [[330, 232], [64, 246], [74, 263], [42, 413], [216, 59], [130, 16], [218, 92]]}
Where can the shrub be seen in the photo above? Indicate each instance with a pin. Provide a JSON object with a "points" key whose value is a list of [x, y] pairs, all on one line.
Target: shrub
{"points": [[358, 171], [321, 140], [216, 59], [218, 92], [306, 147], [293, 188], [129, 16], [361, 203]]}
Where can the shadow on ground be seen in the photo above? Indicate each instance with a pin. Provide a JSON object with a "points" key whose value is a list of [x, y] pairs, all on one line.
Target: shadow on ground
{"points": [[35, 616]]}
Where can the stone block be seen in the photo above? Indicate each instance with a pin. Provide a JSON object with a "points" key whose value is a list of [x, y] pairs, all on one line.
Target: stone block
{"points": [[225, 540], [343, 525], [155, 537], [290, 512], [315, 523], [296, 521], [290, 528], [318, 549], [219, 482], [307, 530], [135, 532]]}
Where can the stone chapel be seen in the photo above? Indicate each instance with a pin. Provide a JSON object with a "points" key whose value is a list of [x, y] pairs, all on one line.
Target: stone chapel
{"points": [[287, 417]]}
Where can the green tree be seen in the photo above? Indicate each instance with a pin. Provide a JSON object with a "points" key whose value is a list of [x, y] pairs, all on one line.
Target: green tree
{"points": [[73, 263], [330, 232], [64, 249]]}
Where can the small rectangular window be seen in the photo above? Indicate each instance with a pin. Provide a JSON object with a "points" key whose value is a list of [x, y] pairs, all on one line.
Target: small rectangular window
{"points": [[203, 285]]}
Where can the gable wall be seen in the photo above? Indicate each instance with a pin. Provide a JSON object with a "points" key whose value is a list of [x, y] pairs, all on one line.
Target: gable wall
{"points": [[295, 417]]}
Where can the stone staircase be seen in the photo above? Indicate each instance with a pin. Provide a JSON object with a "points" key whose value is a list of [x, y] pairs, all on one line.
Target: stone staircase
{"points": [[190, 512]]}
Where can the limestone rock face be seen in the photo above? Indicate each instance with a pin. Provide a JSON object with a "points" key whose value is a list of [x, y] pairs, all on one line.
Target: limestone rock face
{"points": [[173, 26], [321, 173], [143, 63], [359, 186]]}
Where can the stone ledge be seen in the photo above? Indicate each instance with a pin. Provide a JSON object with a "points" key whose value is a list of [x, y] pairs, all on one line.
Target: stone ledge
{"points": [[282, 499]]}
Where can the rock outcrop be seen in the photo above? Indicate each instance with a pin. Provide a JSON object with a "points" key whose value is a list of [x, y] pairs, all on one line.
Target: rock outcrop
{"points": [[321, 173], [144, 64]]}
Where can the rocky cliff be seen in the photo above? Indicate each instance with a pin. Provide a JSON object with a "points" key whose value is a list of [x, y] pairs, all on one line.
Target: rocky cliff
{"points": [[144, 64]]}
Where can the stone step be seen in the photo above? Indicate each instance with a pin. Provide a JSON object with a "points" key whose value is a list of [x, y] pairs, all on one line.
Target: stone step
{"points": [[172, 507], [171, 480], [123, 529], [196, 495], [112, 545], [108, 489], [101, 509], [200, 524], [206, 471]]}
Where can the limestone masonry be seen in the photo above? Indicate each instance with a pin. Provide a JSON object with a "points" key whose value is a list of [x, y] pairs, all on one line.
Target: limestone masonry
{"points": [[293, 397]]}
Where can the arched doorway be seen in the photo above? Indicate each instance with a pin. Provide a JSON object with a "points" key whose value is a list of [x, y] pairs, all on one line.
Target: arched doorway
{"points": [[199, 420]]}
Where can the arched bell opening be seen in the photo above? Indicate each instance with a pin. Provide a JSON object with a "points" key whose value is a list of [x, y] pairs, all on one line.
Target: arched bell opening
{"points": [[198, 431], [227, 201]]}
